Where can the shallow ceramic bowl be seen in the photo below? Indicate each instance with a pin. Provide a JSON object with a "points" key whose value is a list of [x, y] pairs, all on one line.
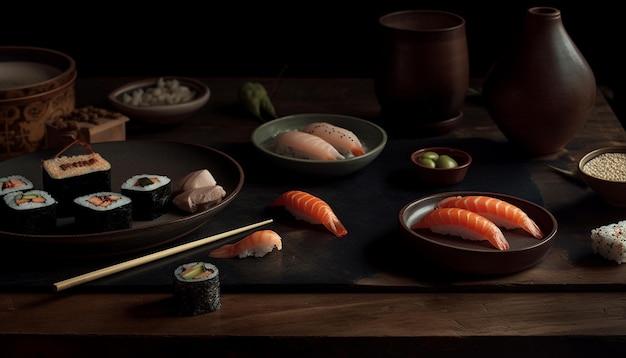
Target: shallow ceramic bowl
{"points": [[29, 71], [372, 137], [613, 192], [478, 257], [163, 114], [442, 176]]}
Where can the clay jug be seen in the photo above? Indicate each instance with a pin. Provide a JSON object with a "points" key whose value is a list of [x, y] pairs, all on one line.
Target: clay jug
{"points": [[422, 72], [542, 91]]}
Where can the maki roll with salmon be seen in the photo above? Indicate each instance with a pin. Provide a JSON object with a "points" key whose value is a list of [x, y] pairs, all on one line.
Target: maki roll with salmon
{"points": [[29, 212], [196, 288], [103, 211], [13, 183], [69, 176], [150, 195]]}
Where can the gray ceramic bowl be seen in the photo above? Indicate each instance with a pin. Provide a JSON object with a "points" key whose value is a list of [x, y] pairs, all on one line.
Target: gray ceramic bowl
{"points": [[161, 114], [477, 257], [613, 191], [372, 137]]}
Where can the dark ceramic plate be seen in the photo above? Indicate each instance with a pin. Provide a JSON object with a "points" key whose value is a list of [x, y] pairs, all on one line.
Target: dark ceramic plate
{"points": [[127, 159], [479, 257]]}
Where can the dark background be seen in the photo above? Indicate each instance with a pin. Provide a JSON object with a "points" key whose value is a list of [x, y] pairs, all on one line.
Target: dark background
{"points": [[272, 38]]}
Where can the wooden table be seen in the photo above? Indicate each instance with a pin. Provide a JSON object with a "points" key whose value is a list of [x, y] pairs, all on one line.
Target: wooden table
{"points": [[573, 320]]}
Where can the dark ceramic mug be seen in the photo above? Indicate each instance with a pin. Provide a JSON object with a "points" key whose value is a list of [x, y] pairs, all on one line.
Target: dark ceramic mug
{"points": [[422, 72]]}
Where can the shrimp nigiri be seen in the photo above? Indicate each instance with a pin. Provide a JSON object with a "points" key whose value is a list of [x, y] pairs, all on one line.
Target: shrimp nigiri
{"points": [[305, 146], [257, 244], [502, 213], [307, 207], [463, 223], [346, 142]]}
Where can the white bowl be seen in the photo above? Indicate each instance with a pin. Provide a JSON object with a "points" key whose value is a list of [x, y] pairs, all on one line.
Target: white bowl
{"points": [[161, 114], [372, 136]]}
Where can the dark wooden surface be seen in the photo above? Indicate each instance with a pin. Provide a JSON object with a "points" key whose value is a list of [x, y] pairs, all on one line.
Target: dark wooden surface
{"points": [[584, 316]]}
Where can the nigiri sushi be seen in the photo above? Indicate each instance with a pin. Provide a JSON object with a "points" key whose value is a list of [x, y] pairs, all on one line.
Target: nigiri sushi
{"points": [[463, 223], [304, 146], [344, 140], [307, 207], [257, 244], [502, 213]]}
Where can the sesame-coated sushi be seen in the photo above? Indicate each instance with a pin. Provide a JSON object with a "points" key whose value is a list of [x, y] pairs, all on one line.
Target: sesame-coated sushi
{"points": [[609, 241], [67, 177]]}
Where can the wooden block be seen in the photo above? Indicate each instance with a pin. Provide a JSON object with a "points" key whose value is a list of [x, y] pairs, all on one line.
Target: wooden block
{"points": [[88, 124]]}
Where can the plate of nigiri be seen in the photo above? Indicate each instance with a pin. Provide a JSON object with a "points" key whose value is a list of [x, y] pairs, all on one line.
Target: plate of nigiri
{"points": [[320, 144], [478, 232]]}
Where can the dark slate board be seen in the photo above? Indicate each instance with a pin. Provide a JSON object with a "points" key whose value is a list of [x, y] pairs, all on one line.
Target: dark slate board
{"points": [[367, 202]]}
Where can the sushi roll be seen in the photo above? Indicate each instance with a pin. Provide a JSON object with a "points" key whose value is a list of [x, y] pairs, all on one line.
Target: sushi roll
{"points": [[67, 177], [103, 211], [196, 288], [13, 183], [29, 212], [150, 195]]}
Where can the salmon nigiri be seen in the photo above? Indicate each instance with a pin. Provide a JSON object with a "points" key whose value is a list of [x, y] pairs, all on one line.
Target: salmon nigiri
{"points": [[305, 146], [502, 213], [307, 207], [463, 223], [257, 244], [346, 142]]}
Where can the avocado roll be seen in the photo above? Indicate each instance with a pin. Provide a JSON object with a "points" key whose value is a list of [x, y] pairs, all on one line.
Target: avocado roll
{"points": [[29, 212], [196, 288]]}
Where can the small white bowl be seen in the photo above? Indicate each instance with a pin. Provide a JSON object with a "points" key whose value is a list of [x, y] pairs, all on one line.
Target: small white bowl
{"points": [[372, 136], [162, 114]]}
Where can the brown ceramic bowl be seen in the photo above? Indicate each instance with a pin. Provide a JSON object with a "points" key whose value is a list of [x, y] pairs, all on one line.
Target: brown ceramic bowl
{"points": [[478, 257], [442, 176], [613, 190], [29, 71], [24, 118]]}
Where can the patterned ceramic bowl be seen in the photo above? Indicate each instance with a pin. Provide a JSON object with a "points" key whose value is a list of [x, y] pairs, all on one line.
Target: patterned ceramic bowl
{"points": [[29, 71], [35, 85]]}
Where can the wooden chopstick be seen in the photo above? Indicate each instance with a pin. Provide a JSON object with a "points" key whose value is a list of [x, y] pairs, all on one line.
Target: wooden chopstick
{"points": [[90, 276]]}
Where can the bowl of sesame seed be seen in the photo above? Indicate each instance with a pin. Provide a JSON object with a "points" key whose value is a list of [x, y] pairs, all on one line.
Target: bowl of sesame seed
{"points": [[604, 171]]}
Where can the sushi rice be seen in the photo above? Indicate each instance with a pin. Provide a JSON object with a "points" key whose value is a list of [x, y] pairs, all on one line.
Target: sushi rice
{"points": [[10, 200], [13, 183], [83, 201], [129, 184]]}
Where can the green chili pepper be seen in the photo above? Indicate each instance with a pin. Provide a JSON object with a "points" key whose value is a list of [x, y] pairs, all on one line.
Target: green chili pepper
{"points": [[256, 100]]}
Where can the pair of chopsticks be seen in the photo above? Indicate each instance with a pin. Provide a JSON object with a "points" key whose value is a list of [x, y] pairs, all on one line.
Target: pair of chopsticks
{"points": [[90, 276]]}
